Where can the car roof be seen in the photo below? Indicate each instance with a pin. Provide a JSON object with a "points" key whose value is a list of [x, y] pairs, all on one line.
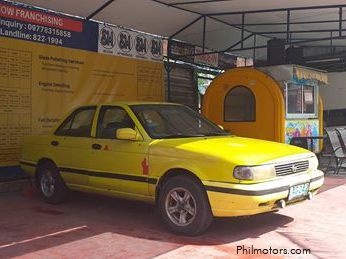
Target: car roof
{"points": [[124, 103]]}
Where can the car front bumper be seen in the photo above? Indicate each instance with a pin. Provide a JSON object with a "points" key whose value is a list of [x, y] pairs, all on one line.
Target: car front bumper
{"points": [[228, 199]]}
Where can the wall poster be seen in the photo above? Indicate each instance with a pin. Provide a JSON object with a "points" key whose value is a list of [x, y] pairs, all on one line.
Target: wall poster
{"points": [[51, 63]]}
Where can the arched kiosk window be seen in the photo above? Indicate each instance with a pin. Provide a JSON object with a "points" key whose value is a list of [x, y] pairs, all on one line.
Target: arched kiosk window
{"points": [[240, 105]]}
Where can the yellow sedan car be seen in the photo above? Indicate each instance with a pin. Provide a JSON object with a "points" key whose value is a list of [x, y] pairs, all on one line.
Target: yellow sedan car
{"points": [[171, 156]]}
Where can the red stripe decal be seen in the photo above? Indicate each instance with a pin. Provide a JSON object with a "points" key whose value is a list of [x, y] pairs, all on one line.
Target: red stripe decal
{"points": [[145, 167]]}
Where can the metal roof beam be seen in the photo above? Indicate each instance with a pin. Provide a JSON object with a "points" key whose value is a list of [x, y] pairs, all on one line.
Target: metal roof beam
{"points": [[285, 23], [186, 26], [176, 7], [198, 13], [241, 42], [198, 2], [279, 10], [231, 48], [99, 9], [299, 31], [237, 27], [296, 42]]}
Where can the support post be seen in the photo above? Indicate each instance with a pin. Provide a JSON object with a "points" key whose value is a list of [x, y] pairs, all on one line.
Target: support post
{"points": [[288, 26], [204, 28], [340, 21], [331, 42], [242, 29], [254, 48], [168, 68], [168, 71]]}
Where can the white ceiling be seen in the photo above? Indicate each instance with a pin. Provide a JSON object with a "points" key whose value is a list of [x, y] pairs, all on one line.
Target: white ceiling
{"points": [[157, 18]]}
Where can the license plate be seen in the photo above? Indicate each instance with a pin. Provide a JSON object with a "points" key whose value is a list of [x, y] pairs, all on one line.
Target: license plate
{"points": [[298, 191]]}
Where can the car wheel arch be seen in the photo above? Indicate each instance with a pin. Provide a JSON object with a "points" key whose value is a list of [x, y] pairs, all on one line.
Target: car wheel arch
{"points": [[176, 172]]}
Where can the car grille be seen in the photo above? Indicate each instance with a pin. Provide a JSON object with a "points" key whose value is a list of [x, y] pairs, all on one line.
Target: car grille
{"points": [[292, 168]]}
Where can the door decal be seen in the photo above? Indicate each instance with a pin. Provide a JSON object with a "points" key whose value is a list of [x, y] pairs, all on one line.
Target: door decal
{"points": [[145, 167]]}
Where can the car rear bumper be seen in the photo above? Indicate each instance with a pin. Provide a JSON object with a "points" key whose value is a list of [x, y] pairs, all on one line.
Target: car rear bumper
{"points": [[228, 199]]}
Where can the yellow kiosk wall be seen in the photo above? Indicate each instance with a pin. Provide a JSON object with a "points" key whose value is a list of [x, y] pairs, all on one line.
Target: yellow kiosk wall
{"points": [[270, 105], [270, 110]]}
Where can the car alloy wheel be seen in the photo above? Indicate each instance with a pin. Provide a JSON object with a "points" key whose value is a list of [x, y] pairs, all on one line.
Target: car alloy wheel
{"points": [[180, 206], [47, 183]]}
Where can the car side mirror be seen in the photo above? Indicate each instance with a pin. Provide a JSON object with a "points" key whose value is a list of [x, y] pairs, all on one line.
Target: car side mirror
{"points": [[126, 134]]}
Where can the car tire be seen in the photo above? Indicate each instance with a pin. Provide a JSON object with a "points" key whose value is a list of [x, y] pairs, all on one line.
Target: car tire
{"points": [[50, 184], [184, 207]]}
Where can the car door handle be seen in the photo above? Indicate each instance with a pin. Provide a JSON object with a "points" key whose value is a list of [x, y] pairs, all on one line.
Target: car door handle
{"points": [[96, 146], [54, 143]]}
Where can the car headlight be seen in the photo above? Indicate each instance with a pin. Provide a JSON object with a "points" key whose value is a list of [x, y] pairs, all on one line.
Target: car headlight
{"points": [[313, 163], [261, 172]]}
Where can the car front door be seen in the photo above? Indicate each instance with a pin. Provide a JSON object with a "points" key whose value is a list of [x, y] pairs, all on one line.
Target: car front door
{"points": [[72, 146], [118, 165]]}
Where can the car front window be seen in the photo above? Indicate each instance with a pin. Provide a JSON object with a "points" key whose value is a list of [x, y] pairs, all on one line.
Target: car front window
{"points": [[111, 119], [174, 121]]}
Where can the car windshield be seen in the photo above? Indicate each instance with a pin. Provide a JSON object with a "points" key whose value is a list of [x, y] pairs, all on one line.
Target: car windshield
{"points": [[174, 121]]}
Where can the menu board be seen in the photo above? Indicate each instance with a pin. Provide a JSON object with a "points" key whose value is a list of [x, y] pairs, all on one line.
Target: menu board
{"points": [[15, 101], [51, 63]]}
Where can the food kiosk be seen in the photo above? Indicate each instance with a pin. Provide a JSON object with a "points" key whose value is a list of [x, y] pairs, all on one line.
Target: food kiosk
{"points": [[273, 103]]}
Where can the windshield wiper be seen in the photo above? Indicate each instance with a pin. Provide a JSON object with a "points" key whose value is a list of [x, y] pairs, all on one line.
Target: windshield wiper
{"points": [[183, 136], [217, 134]]}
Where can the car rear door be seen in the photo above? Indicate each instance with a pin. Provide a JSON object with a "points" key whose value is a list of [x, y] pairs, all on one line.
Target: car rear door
{"points": [[72, 146]]}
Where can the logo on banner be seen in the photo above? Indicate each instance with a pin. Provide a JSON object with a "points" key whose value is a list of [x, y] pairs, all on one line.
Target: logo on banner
{"points": [[124, 41], [206, 59], [156, 47], [119, 41], [141, 45], [107, 37]]}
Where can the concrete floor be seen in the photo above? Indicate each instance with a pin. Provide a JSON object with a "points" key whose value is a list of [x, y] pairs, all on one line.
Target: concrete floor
{"points": [[99, 227]]}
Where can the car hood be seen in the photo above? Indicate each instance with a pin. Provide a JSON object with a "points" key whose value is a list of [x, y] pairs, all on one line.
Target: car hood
{"points": [[238, 150]]}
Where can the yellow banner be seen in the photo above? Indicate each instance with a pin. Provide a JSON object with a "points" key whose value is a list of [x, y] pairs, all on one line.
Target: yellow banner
{"points": [[39, 83]]}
